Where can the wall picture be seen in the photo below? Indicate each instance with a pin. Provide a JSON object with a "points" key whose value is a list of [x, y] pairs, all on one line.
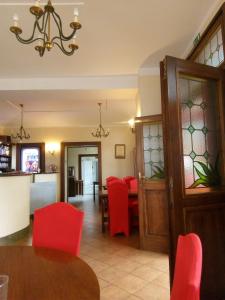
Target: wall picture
{"points": [[120, 151]]}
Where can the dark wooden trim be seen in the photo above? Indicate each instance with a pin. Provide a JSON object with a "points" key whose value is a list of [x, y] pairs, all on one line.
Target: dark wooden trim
{"points": [[79, 164], [21, 146], [62, 160], [145, 119], [219, 19]]}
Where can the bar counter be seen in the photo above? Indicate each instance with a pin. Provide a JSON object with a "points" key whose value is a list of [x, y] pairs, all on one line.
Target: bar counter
{"points": [[14, 202]]}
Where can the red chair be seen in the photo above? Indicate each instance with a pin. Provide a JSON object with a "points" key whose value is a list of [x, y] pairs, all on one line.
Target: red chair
{"points": [[111, 178], [58, 226], [118, 208], [134, 184], [188, 268], [127, 180]]}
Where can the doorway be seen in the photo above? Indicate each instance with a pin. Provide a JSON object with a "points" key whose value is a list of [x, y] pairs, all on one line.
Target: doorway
{"points": [[88, 171], [80, 168]]}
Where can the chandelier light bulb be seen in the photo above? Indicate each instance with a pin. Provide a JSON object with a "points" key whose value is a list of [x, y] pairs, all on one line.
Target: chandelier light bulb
{"points": [[16, 20], [37, 3], [76, 14]]}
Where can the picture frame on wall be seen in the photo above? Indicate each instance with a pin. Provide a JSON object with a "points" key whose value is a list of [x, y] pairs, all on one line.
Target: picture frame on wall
{"points": [[120, 151]]}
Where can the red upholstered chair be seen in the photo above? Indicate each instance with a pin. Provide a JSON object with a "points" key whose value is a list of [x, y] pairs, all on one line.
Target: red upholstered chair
{"points": [[188, 268], [127, 180], [118, 208], [134, 184], [58, 226]]}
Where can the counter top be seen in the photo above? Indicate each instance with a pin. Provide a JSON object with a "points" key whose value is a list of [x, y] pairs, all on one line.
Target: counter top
{"points": [[10, 174]]}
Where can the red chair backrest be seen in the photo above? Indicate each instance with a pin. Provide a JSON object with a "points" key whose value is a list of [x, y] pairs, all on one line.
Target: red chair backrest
{"points": [[134, 184], [111, 179], [118, 208], [127, 180], [58, 226], [188, 268]]}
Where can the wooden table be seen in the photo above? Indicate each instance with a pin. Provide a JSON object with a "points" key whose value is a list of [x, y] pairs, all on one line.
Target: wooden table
{"points": [[103, 200], [44, 274]]}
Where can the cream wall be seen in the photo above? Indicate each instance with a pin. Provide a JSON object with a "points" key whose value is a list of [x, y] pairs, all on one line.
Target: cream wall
{"points": [[110, 165], [150, 94]]}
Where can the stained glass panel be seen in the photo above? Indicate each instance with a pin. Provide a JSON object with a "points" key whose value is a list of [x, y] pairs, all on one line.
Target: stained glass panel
{"points": [[153, 149], [200, 146], [213, 53]]}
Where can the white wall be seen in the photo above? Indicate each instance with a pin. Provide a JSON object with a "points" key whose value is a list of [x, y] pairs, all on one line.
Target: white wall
{"points": [[150, 94], [110, 165]]}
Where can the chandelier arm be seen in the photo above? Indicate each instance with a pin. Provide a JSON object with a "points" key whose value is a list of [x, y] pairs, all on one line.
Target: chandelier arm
{"points": [[30, 40], [61, 47], [59, 25], [26, 42], [41, 28]]}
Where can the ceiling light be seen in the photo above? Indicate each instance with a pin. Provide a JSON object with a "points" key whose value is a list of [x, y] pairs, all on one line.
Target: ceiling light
{"points": [[21, 134], [42, 30], [100, 131]]}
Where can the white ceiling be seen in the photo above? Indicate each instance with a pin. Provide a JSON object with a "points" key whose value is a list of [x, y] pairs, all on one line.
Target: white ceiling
{"points": [[61, 108], [117, 38]]}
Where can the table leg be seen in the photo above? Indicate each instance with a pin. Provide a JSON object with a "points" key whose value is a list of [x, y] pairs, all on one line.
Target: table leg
{"points": [[94, 191]]}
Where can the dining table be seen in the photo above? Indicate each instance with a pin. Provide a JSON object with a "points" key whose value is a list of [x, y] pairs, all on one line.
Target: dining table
{"points": [[103, 201], [47, 274]]}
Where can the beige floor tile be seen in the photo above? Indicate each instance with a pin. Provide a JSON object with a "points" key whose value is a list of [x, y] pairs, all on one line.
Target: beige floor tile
{"points": [[111, 274], [111, 259], [130, 283], [97, 266], [147, 273], [127, 265], [153, 292], [112, 292], [133, 297], [161, 264], [103, 283], [162, 280]]}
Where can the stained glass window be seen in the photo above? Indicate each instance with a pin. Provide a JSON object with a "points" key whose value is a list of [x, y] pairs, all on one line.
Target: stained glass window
{"points": [[153, 149], [199, 131], [212, 54]]}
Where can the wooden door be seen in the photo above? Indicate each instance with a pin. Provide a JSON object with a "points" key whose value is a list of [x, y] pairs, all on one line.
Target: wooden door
{"points": [[153, 211], [193, 118]]}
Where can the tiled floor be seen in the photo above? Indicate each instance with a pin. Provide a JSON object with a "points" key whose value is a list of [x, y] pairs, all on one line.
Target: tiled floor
{"points": [[124, 271]]}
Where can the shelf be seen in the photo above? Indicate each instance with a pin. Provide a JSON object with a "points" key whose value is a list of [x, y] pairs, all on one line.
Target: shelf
{"points": [[4, 155]]}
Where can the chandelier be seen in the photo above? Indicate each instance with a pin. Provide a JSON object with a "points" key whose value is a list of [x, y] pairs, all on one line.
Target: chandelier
{"points": [[42, 29], [100, 131], [21, 134]]}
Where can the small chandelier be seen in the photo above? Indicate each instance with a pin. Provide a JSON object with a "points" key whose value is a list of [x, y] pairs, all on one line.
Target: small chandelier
{"points": [[100, 131], [42, 25], [21, 134]]}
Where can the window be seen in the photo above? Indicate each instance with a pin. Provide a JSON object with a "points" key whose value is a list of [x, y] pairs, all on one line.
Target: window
{"points": [[31, 157]]}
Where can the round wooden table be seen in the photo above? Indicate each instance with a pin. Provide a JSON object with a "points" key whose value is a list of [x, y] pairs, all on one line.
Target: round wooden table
{"points": [[44, 274]]}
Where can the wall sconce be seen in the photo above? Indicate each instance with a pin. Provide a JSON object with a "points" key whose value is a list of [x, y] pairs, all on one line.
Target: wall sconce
{"points": [[131, 123], [52, 148]]}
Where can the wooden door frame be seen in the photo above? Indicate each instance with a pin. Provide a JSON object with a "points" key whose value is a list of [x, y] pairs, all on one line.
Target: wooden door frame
{"points": [[64, 145], [79, 162]]}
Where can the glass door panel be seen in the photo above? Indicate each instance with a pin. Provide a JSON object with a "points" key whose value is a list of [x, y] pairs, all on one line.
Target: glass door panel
{"points": [[199, 123], [153, 150]]}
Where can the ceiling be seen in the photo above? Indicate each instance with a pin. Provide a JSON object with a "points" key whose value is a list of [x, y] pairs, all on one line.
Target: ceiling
{"points": [[117, 38]]}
